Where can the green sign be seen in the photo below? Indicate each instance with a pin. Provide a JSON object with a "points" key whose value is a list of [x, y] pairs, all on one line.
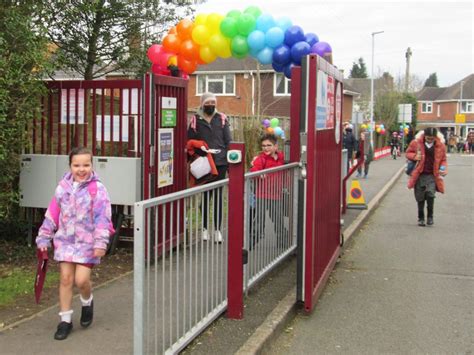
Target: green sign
{"points": [[168, 118]]}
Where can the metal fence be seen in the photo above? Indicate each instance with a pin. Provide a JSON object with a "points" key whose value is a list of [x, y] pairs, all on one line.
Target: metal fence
{"points": [[180, 276]]}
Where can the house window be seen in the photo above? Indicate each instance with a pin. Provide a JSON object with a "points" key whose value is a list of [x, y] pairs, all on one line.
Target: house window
{"points": [[426, 107], [467, 107], [219, 84], [281, 85]]}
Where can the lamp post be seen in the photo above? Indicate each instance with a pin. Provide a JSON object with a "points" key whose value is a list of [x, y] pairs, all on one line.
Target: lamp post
{"points": [[460, 106], [372, 92]]}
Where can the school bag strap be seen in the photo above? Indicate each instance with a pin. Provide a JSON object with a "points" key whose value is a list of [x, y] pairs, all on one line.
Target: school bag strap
{"points": [[193, 121]]}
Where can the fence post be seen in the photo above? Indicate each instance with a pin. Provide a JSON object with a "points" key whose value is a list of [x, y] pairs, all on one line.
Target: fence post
{"points": [[139, 279], [235, 268]]}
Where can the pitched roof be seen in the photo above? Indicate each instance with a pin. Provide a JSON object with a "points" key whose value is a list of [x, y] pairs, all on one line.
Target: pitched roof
{"points": [[362, 85], [429, 93]]}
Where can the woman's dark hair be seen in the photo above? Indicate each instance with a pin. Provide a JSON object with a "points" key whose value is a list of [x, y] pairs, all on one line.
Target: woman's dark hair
{"points": [[269, 137], [431, 131], [78, 151]]}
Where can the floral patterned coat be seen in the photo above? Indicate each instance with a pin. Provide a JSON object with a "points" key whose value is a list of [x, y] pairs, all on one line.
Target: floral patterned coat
{"points": [[83, 222]]}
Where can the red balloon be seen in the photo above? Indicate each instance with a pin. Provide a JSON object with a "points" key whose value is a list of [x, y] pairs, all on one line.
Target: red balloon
{"points": [[164, 58], [189, 50], [185, 28], [171, 43], [158, 70], [153, 53]]}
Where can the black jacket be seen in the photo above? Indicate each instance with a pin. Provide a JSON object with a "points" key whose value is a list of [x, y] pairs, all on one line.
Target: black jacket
{"points": [[216, 135]]}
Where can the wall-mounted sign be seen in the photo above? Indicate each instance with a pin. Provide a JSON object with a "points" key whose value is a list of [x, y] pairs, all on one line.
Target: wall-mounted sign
{"points": [[168, 112], [165, 157], [337, 130], [324, 101]]}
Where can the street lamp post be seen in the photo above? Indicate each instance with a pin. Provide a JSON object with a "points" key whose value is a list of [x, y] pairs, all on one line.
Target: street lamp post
{"points": [[372, 92], [460, 105]]}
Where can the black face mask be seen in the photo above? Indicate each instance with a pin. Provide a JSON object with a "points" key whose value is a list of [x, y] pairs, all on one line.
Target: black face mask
{"points": [[209, 110]]}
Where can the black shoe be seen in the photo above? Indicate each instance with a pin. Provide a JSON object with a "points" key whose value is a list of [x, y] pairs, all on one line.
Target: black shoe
{"points": [[87, 314], [64, 328], [421, 222], [429, 221]]}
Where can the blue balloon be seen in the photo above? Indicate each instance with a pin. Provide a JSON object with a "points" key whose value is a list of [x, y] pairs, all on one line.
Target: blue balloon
{"points": [[299, 50], [278, 67], [274, 37], [311, 39], [284, 23], [321, 48], [265, 55], [256, 40], [254, 52], [278, 131], [287, 70], [294, 34], [282, 55], [265, 22]]}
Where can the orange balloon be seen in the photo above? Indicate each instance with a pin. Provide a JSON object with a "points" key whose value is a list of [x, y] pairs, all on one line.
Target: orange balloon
{"points": [[270, 130], [172, 31], [171, 43], [185, 28], [189, 50], [188, 66]]}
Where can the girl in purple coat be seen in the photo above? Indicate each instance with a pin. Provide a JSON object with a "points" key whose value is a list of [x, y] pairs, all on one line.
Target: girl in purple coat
{"points": [[80, 237]]}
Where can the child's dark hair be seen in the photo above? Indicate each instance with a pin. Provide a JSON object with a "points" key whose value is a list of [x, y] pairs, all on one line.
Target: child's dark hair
{"points": [[269, 137], [431, 131], [78, 151]]}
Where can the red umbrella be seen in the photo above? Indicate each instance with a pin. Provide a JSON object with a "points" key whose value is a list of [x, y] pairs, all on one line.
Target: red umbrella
{"points": [[40, 272]]}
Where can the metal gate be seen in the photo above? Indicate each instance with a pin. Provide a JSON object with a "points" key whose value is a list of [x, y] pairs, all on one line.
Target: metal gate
{"points": [[319, 95]]}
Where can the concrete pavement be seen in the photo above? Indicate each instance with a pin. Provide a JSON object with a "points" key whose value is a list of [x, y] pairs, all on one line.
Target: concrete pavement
{"points": [[399, 288]]}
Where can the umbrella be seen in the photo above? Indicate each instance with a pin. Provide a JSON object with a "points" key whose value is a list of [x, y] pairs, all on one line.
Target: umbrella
{"points": [[40, 272]]}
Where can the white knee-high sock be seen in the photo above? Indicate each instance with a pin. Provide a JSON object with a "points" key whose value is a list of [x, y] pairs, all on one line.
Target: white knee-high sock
{"points": [[66, 316]]}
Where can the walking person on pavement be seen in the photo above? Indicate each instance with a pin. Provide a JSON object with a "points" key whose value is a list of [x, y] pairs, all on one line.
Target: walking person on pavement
{"points": [[211, 126], [429, 151], [350, 143], [368, 153]]}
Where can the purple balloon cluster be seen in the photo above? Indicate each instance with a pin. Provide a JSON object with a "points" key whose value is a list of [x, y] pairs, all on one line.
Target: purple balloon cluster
{"points": [[296, 45]]}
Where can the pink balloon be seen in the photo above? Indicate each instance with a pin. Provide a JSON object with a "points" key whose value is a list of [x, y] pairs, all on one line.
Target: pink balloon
{"points": [[154, 52], [163, 58]]}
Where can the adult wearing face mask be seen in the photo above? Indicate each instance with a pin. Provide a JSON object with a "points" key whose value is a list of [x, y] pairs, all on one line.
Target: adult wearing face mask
{"points": [[429, 151], [212, 127]]}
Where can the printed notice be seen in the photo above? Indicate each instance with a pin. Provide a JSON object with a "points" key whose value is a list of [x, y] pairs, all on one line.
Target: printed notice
{"points": [[165, 157]]}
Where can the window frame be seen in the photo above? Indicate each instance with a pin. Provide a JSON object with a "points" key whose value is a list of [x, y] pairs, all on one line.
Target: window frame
{"points": [[287, 85], [467, 106], [428, 108], [222, 80]]}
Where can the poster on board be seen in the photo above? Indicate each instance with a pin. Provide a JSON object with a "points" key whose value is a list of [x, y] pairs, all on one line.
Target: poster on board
{"points": [[338, 115], [168, 111], [330, 103], [165, 157]]}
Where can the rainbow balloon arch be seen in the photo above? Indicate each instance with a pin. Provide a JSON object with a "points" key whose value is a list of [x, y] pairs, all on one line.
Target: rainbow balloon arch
{"points": [[238, 34]]}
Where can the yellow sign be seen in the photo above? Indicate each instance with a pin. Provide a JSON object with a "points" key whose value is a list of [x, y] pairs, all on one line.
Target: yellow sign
{"points": [[356, 196], [460, 118]]}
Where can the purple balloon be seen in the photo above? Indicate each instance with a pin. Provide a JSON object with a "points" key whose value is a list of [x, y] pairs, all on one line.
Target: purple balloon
{"points": [[278, 67], [282, 55], [321, 48], [266, 123], [299, 50], [311, 39], [293, 34], [287, 70]]}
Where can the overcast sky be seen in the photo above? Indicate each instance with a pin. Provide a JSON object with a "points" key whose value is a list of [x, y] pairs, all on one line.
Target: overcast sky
{"points": [[440, 34]]}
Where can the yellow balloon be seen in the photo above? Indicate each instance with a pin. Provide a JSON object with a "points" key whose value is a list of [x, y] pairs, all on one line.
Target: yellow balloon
{"points": [[219, 45], [364, 126], [213, 22], [173, 60], [200, 19], [201, 34], [206, 54]]}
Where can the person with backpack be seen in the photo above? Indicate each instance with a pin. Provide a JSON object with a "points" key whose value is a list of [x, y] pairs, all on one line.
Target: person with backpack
{"points": [[427, 177], [78, 221], [213, 128]]}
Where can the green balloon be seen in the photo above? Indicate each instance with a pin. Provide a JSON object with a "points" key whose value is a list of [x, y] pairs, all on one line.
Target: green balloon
{"points": [[254, 11], [274, 122], [234, 13], [239, 46], [246, 24], [229, 27]]}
